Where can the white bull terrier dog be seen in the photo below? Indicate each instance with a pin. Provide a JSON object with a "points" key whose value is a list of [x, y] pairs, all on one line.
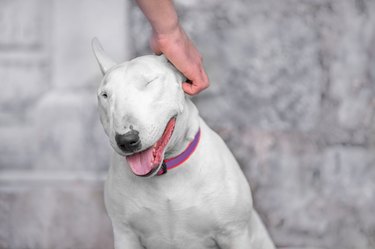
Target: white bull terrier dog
{"points": [[173, 183]]}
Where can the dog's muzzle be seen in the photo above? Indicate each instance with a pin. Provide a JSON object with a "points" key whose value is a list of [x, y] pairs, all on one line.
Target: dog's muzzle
{"points": [[128, 142]]}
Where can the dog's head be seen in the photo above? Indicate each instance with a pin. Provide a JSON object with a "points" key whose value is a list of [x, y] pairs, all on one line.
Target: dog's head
{"points": [[139, 101]]}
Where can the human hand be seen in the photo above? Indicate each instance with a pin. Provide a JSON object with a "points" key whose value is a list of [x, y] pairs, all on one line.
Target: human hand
{"points": [[181, 52]]}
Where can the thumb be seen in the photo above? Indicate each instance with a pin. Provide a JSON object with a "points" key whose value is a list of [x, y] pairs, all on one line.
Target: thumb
{"points": [[192, 88], [188, 88]]}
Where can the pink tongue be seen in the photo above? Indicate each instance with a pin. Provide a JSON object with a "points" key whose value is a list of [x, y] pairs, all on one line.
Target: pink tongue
{"points": [[141, 163], [144, 162]]}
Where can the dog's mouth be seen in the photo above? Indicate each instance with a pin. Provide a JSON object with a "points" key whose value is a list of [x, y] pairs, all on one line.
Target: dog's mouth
{"points": [[147, 162]]}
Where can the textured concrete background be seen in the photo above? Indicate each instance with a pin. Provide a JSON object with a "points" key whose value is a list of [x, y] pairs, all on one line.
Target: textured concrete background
{"points": [[292, 94]]}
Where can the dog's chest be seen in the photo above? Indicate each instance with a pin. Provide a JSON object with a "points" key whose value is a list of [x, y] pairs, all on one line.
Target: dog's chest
{"points": [[168, 221]]}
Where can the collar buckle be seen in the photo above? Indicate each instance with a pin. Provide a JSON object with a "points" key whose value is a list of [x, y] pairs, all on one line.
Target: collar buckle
{"points": [[164, 168], [171, 163]]}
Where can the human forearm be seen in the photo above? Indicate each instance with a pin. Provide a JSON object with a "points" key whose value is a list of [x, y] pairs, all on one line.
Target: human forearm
{"points": [[161, 14]]}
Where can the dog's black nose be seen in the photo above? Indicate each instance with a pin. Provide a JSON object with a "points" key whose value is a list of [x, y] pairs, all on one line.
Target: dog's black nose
{"points": [[128, 142]]}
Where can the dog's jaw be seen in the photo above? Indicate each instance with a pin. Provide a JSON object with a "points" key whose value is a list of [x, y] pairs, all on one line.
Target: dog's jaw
{"points": [[186, 127]]}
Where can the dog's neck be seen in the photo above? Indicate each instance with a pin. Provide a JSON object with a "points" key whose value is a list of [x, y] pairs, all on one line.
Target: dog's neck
{"points": [[187, 125]]}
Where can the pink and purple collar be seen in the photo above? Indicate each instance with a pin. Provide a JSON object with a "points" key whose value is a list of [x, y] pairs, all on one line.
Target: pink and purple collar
{"points": [[176, 161]]}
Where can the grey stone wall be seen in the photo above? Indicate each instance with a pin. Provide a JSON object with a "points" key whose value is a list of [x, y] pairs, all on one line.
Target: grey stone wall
{"points": [[53, 151], [292, 94]]}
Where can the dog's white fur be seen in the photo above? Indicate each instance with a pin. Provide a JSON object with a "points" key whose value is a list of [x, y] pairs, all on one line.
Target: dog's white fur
{"points": [[204, 203]]}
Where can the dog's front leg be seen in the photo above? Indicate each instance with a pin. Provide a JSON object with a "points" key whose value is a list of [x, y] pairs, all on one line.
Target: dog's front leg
{"points": [[250, 236], [235, 240], [125, 238]]}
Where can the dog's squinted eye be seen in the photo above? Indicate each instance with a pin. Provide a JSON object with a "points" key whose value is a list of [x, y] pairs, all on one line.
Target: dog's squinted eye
{"points": [[153, 79], [104, 95]]}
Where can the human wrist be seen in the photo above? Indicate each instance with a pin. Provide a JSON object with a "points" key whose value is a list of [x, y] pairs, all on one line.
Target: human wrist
{"points": [[166, 28], [172, 34]]}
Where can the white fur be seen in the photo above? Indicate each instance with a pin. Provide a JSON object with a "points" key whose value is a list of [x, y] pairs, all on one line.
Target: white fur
{"points": [[204, 203]]}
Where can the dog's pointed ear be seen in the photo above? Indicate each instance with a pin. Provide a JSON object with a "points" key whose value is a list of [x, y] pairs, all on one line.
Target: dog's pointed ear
{"points": [[105, 63]]}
